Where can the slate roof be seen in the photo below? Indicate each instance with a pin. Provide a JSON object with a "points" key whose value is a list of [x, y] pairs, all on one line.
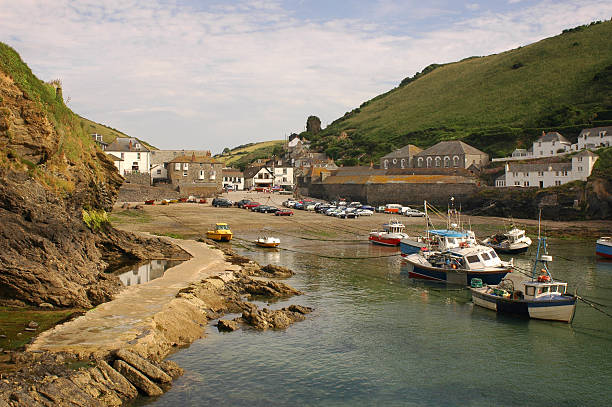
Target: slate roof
{"points": [[586, 153], [553, 136], [406, 151], [449, 148], [595, 131], [123, 144], [567, 166], [194, 159], [250, 172]]}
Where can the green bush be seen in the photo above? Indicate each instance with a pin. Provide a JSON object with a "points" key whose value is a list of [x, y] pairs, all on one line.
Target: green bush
{"points": [[95, 219]]}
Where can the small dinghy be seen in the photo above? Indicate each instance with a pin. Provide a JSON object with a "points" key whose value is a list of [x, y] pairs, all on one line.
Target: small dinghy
{"points": [[267, 241]]}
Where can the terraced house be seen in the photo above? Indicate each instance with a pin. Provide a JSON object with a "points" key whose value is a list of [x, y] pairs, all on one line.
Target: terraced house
{"points": [[545, 175]]}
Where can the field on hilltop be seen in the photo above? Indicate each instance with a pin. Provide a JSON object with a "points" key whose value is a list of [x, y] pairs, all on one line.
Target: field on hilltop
{"points": [[241, 156], [496, 103]]}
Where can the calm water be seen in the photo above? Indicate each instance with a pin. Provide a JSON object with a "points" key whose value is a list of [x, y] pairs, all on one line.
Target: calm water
{"points": [[144, 272], [378, 338]]}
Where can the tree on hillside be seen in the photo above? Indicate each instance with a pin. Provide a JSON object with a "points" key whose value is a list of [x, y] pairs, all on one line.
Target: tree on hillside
{"points": [[226, 150], [313, 125]]}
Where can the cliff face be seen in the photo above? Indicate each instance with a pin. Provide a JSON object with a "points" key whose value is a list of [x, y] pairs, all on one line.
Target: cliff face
{"points": [[50, 171]]}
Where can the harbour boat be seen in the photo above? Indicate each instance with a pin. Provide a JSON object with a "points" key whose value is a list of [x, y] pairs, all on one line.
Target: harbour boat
{"points": [[267, 241], [458, 265], [437, 239], [220, 233], [540, 297], [513, 241], [603, 247], [391, 234]]}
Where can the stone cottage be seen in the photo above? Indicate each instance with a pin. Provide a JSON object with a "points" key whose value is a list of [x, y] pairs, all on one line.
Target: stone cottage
{"points": [[196, 175]]}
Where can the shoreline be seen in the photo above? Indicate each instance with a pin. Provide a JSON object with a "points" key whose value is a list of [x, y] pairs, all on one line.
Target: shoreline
{"points": [[141, 327]]}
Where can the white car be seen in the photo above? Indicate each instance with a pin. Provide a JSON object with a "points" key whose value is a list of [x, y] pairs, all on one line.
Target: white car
{"points": [[414, 212], [364, 212]]}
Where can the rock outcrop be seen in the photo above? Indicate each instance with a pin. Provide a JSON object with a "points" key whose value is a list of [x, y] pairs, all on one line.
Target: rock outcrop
{"points": [[50, 170]]}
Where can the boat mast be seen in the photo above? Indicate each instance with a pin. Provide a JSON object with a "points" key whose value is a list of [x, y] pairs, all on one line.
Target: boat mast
{"points": [[544, 258]]}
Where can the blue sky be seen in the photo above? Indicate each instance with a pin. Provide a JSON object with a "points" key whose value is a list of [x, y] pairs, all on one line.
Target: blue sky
{"points": [[215, 74]]}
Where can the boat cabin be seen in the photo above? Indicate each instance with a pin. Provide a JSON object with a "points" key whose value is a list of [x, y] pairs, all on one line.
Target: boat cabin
{"points": [[543, 290], [394, 226], [222, 226], [515, 235], [451, 239]]}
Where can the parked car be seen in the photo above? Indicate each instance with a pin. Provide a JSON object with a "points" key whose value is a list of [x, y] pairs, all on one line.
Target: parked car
{"points": [[260, 208], [289, 203], [354, 204], [381, 209], [414, 212], [367, 208], [217, 202], [251, 205], [309, 207], [364, 212], [298, 205], [242, 202], [283, 212]]}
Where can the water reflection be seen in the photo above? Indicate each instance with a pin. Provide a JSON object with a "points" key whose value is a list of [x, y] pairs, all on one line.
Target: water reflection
{"points": [[145, 272]]}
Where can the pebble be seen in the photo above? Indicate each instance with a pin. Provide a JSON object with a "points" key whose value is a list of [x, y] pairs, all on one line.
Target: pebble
{"points": [[33, 324]]}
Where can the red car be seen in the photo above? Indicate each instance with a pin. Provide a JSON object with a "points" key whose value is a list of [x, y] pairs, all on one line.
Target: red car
{"points": [[284, 212], [251, 205]]}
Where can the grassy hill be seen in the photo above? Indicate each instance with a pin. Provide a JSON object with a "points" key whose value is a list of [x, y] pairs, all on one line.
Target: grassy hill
{"points": [[241, 156], [495, 103], [109, 134]]}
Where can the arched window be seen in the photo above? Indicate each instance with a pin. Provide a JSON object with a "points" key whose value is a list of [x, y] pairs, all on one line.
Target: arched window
{"points": [[429, 162], [386, 164], [447, 161], [394, 161], [403, 162], [456, 161], [438, 161], [420, 162]]}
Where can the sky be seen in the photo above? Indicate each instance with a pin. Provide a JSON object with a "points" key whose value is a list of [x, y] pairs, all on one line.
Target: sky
{"points": [[215, 74]]}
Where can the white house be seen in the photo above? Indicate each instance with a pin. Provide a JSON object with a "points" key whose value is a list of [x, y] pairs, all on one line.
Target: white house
{"points": [[545, 175], [158, 172], [119, 163], [233, 178], [268, 176], [549, 144], [136, 157], [594, 138], [283, 177]]}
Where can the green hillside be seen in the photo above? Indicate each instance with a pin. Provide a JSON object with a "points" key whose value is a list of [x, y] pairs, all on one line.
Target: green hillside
{"points": [[495, 103], [109, 134], [241, 156]]}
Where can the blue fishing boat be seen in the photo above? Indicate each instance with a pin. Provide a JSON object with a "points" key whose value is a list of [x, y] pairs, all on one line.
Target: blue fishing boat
{"points": [[603, 247], [540, 297], [437, 239]]}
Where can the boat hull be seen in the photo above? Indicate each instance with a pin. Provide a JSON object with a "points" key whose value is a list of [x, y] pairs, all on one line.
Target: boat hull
{"points": [[219, 237], [604, 249], [411, 247], [454, 276], [552, 310], [385, 241], [269, 245], [510, 250]]}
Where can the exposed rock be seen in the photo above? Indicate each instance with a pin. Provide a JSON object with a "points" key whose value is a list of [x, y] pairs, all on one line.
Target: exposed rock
{"points": [[45, 305], [139, 380], [276, 271], [226, 325], [266, 288], [299, 309], [33, 324], [171, 368], [275, 319], [144, 366]]}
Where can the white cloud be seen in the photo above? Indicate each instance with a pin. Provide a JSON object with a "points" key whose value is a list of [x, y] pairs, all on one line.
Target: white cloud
{"points": [[179, 77]]}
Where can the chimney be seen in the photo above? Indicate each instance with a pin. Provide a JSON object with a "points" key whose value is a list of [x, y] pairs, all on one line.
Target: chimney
{"points": [[130, 145], [193, 156], [543, 133]]}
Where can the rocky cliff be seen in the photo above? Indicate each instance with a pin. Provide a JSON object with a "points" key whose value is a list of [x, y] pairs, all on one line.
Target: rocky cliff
{"points": [[50, 171]]}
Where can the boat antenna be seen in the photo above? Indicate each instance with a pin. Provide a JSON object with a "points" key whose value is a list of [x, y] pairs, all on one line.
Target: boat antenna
{"points": [[544, 258]]}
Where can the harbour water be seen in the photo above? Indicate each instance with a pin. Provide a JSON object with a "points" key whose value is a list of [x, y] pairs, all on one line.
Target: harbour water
{"points": [[377, 337]]}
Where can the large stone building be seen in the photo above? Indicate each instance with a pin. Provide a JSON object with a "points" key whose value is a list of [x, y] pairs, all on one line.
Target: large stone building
{"points": [[450, 154], [196, 175], [400, 158]]}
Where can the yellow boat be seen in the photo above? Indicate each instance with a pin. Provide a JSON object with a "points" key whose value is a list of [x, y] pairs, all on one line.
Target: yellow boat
{"points": [[221, 233]]}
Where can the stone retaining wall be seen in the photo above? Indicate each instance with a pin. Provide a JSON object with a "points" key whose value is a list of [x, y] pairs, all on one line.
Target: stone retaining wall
{"points": [[139, 178], [141, 193]]}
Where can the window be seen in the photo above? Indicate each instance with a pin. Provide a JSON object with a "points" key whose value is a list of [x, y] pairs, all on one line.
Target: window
{"points": [[515, 174], [284, 171], [540, 173], [530, 290], [541, 152], [456, 161], [485, 256], [556, 173], [185, 166], [557, 183], [122, 156], [402, 162], [429, 162], [526, 183], [438, 161], [447, 161], [177, 166], [158, 172], [473, 259], [213, 175], [517, 183], [565, 173], [386, 164], [201, 175], [419, 162], [185, 173], [138, 156], [580, 169], [540, 144], [493, 254], [394, 161]]}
